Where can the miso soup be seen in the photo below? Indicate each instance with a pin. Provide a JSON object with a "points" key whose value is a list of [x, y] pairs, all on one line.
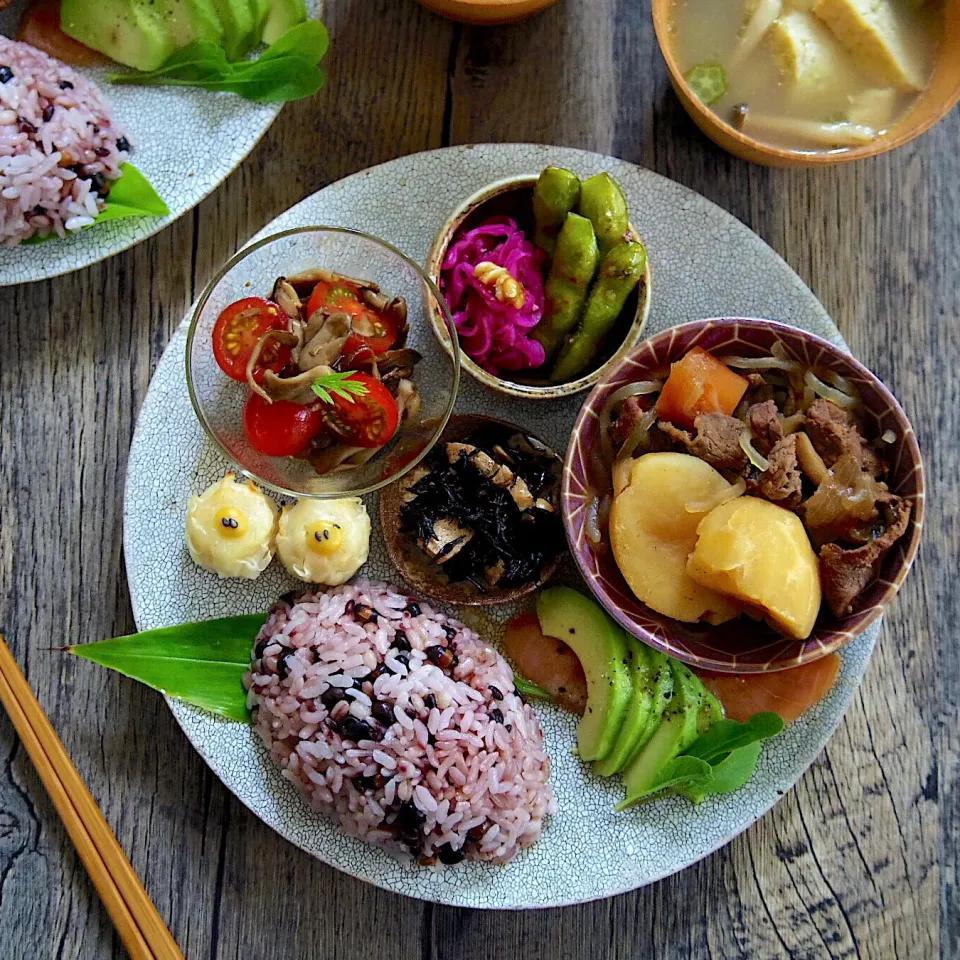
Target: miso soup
{"points": [[810, 75]]}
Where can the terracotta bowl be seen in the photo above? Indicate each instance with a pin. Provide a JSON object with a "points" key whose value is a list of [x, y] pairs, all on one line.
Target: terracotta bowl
{"points": [[513, 197], [742, 645], [933, 104], [487, 12], [408, 558]]}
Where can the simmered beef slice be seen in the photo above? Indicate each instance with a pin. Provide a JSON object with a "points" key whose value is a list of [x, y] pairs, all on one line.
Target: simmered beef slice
{"points": [[717, 441], [845, 574], [782, 482], [833, 433], [630, 413], [765, 425]]}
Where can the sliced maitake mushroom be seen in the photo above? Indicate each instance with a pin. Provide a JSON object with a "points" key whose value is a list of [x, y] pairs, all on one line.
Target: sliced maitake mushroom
{"points": [[286, 298], [280, 336], [408, 401], [296, 389], [324, 338]]}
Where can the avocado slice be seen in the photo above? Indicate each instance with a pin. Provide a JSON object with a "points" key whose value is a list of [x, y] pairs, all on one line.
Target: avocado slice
{"points": [[676, 732], [601, 647], [187, 20], [658, 678], [241, 29], [130, 33], [283, 15]]}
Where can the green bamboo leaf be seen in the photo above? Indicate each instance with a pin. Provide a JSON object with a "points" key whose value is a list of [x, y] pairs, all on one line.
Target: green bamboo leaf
{"points": [[202, 663]]}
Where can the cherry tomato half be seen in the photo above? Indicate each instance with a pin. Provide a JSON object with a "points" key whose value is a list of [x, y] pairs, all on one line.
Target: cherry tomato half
{"points": [[239, 329], [281, 428], [365, 421], [370, 329]]}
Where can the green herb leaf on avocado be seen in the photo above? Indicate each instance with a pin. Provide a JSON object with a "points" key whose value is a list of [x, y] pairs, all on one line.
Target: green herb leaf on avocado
{"points": [[725, 736], [132, 195], [529, 689], [287, 70], [202, 663], [339, 385], [722, 760]]}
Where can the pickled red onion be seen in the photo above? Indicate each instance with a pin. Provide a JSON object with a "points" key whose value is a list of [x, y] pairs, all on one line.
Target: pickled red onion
{"points": [[493, 333]]}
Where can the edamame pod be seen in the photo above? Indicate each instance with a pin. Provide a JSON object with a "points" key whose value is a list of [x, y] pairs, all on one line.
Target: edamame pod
{"points": [[555, 195], [620, 272], [602, 202], [565, 292]]}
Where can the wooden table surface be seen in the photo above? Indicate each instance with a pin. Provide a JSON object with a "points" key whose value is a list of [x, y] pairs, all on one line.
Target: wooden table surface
{"points": [[860, 859]]}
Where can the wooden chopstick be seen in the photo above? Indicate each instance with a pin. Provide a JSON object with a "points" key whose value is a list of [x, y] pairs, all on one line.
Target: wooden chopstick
{"points": [[141, 928]]}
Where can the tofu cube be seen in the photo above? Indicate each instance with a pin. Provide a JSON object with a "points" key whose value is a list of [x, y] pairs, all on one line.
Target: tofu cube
{"points": [[874, 108], [880, 39], [810, 58]]}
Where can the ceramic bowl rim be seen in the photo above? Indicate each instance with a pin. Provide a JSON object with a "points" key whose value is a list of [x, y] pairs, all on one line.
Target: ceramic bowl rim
{"points": [[435, 294], [842, 637], [706, 118], [438, 250]]}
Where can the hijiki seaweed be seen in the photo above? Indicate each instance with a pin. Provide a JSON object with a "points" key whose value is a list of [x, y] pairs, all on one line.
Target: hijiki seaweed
{"points": [[486, 509]]}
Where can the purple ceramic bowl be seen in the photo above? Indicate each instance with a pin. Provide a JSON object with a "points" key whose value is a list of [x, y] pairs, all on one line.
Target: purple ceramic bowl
{"points": [[742, 645]]}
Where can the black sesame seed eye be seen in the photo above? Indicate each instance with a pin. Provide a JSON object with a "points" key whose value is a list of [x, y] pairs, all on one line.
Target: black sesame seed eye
{"points": [[66, 85], [230, 523], [6, 74]]}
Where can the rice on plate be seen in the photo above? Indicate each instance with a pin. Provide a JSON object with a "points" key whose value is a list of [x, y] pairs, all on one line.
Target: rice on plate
{"points": [[59, 146], [401, 724]]}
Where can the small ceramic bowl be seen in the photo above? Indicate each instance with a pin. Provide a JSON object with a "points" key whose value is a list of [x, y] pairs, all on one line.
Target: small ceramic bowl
{"points": [[487, 13], [742, 645], [513, 197], [933, 104], [219, 401], [408, 558]]}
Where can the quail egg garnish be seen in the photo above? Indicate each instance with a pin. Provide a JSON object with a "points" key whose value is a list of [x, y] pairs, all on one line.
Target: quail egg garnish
{"points": [[231, 528], [324, 541]]}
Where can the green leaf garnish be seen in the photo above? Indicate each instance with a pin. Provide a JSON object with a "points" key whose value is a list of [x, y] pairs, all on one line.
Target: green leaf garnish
{"points": [[339, 385], [202, 663], [287, 70], [708, 81], [529, 689], [722, 760], [131, 195]]}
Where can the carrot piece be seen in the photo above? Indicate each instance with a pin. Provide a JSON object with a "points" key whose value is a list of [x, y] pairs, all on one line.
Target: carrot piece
{"points": [[788, 692], [546, 661], [699, 383]]}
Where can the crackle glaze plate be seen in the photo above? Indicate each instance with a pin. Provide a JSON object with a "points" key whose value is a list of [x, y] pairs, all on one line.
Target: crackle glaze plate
{"points": [[186, 143], [587, 851]]}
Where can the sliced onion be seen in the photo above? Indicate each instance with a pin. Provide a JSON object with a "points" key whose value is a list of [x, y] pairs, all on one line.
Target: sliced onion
{"points": [[640, 388], [840, 382], [639, 436], [888, 436], [779, 351], [793, 423], [621, 475], [746, 444], [821, 389], [810, 461], [731, 493], [593, 522], [762, 363]]}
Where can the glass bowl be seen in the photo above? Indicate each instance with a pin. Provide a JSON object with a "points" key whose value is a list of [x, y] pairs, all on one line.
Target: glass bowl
{"points": [[219, 401]]}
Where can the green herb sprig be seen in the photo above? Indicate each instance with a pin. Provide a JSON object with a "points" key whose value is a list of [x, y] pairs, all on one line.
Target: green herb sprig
{"points": [[720, 761], [339, 385], [287, 70]]}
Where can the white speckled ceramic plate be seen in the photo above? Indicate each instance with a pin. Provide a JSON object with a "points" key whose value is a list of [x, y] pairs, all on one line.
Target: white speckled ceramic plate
{"points": [[186, 142], [705, 263]]}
